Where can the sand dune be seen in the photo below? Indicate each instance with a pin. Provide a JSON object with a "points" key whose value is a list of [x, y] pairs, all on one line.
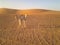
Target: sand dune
{"points": [[7, 11], [42, 27], [38, 12]]}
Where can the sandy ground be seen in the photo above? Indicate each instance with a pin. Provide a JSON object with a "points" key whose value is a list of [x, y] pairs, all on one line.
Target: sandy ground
{"points": [[40, 29]]}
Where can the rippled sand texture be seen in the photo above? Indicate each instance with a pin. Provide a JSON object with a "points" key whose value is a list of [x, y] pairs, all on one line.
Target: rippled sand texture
{"points": [[42, 28]]}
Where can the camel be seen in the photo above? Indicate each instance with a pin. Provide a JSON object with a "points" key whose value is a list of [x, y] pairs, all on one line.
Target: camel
{"points": [[21, 19]]}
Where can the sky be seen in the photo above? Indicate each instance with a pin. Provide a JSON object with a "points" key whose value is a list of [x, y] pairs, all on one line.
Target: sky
{"points": [[31, 4]]}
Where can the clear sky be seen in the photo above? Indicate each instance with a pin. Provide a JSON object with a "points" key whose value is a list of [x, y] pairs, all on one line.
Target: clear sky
{"points": [[29, 4]]}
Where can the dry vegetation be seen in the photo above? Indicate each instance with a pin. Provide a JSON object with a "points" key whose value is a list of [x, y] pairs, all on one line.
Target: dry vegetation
{"points": [[42, 28]]}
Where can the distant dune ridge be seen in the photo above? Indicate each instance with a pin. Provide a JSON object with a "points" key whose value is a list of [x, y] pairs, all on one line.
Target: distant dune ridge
{"points": [[42, 27], [7, 11], [29, 11], [38, 12]]}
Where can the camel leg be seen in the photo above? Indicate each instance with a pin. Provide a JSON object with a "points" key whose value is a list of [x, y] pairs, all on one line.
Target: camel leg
{"points": [[24, 23], [19, 21]]}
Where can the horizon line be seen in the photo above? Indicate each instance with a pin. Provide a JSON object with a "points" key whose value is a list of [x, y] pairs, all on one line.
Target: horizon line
{"points": [[30, 9]]}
